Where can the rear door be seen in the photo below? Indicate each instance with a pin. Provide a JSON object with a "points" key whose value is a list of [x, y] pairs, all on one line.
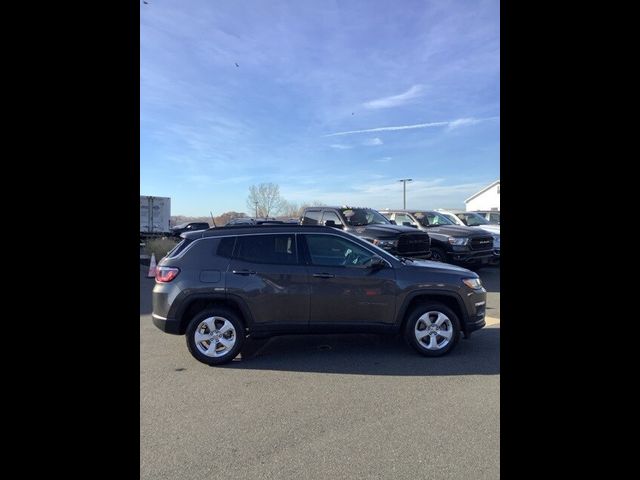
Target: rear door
{"points": [[266, 274], [344, 292]]}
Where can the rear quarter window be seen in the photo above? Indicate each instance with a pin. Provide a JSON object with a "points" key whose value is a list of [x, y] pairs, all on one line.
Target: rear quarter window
{"points": [[179, 248]]}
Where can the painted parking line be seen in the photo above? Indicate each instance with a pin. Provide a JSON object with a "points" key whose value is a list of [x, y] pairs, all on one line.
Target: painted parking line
{"points": [[492, 321]]}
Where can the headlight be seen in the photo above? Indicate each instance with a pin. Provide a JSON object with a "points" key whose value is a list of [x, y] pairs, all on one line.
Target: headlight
{"points": [[473, 283], [385, 243], [458, 241]]}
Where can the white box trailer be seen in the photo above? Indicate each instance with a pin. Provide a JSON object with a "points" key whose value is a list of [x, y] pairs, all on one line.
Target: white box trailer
{"points": [[155, 214]]}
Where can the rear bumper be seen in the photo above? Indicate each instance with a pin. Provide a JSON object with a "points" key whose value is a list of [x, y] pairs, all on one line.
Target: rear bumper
{"points": [[167, 325]]}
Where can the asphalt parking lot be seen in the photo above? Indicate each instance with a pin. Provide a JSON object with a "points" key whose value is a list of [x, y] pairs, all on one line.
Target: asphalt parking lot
{"points": [[340, 406]]}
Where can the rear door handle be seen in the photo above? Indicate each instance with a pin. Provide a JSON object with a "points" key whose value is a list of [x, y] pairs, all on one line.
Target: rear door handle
{"points": [[324, 275], [243, 272]]}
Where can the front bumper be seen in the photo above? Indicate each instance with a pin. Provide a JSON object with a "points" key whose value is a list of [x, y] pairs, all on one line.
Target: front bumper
{"points": [[476, 304], [471, 257], [167, 325], [475, 323]]}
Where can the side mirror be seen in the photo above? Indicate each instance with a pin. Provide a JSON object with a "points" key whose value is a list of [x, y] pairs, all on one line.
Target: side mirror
{"points": [[393, 222], [331, 223], [376, 263], [407, 224]]}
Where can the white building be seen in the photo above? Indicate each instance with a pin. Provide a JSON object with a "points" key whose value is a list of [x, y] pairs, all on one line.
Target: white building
{"points": [[486, 199]]}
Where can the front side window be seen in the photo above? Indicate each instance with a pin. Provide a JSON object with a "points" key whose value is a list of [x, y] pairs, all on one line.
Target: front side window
{"points": [[311, 217], [271, 249], [328, 215], [402, 218], [433, 219], [472, 219], [357, 217], [329, 250]]}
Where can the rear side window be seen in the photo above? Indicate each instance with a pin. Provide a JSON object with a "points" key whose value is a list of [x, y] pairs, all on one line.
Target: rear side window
{"points": [[311, 217], [225, 247], [272, 249]]}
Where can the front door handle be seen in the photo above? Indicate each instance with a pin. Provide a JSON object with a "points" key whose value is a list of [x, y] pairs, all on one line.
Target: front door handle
{"points": [[324, 275], [243, 272]]}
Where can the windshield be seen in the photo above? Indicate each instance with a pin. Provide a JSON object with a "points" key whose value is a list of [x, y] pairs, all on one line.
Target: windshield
{"points": [[473, 219], [363, 216], [432, 219]]}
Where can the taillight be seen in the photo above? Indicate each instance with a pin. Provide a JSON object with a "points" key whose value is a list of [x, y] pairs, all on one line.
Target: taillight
{"points": [[166, 274]]}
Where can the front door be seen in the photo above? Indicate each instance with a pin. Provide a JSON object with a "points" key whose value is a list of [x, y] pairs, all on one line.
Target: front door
{"points": [[343, 290]]}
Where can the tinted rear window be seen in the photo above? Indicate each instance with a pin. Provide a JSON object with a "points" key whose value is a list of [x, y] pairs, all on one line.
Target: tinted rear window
{"points": [[272, 249], [225, 247]]}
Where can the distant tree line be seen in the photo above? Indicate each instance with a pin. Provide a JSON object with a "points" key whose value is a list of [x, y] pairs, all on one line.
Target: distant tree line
{"points": [[263, 199]]}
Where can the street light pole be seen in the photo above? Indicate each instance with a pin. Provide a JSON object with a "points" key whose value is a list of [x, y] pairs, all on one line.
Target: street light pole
{"points": [[404, 191]]}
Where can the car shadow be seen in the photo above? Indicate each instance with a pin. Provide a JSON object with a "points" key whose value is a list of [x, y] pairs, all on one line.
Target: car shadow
{"points": [[369, 355]]}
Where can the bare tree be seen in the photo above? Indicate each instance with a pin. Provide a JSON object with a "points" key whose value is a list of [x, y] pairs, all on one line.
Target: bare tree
{"points": [[290, 209], [265, 199]]}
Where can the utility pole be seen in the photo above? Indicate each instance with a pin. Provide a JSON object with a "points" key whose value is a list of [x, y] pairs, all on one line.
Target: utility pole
{"points": [[404, 191], [256, 209]]}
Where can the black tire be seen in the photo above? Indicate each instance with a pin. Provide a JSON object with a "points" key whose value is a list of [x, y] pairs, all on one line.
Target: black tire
{"points": [[197, 349], [438, 255], [422, 346]]}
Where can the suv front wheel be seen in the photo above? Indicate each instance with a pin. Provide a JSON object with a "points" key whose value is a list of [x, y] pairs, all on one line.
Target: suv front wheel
{"points": [[215, 336], [432, 329]]}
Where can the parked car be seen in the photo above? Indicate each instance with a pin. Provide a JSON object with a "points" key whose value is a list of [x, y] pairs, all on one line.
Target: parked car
{"points": [[450, 243], [221, 285], [470, 219], [492, 216], [372, 226], [188, 227]]}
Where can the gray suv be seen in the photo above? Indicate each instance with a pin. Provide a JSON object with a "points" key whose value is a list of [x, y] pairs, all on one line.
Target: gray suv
{"points": [[223, 285]]}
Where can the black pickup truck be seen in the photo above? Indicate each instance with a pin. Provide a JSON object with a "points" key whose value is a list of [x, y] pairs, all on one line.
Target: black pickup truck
{"points": [[370, 225], [450, 243]]}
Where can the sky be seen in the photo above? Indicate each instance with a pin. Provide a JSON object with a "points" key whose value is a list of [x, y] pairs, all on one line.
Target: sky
{"points": [[334, 101]]}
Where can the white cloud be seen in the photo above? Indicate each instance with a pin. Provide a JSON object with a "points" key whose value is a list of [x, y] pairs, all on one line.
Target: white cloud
{"points": [[383, 159], [451, 124], [340, 146], [395, 100], [372, 142], [387, 193]]}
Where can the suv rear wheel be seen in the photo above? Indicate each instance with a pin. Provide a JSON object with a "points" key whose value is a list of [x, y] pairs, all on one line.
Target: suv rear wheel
{"points": [[432, 329], [215, 336]]}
